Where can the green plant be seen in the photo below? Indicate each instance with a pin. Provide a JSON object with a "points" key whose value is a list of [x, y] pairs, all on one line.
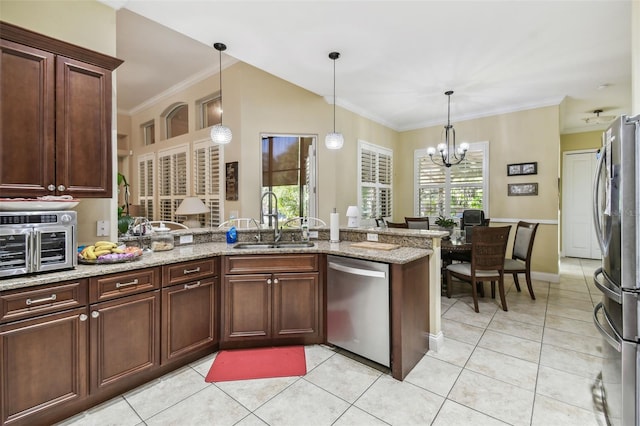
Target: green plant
{"points": [[124, 219], [444, 222]]}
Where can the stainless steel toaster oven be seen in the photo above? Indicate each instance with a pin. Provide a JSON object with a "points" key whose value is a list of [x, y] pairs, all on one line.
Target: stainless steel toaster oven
{"points": [[37, 241]]}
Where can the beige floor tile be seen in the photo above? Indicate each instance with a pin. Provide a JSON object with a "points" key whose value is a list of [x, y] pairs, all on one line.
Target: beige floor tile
{"points": [[463, 311], [506, 325], [356, 417], [434, 375], [462, 332], [571, 294], [566, 387], [203, 365], [503, 367], [302, 403], [582, 305], [400, 403], [114, 412], [201, 408], [253, 393], [251, 420], [454, 414], [569, 325], [343, 377], [535, 317], [527, 350], [316, 355], [505, 402], [570, 361], [567, 312], [454, 352], [548, 411], [572, 341]]}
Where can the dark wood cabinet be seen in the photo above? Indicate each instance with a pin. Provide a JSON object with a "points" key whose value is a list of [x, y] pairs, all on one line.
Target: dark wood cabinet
{"points": [[263, 308], [190, 308], [44, 354], [55, 105]]}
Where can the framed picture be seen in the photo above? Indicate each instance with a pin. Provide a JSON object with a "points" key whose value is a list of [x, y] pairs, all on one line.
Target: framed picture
{"points": [[522, 189], [522, 169], [232, 181]]}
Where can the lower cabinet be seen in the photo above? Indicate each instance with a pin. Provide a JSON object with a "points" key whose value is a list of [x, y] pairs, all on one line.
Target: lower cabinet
{"points": [[271, 308]]}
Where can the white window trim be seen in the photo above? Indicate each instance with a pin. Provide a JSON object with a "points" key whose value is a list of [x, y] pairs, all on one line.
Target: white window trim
{"points": [[183, 148], [143, 198], [362, 144], [222, 195], [475, 146]]}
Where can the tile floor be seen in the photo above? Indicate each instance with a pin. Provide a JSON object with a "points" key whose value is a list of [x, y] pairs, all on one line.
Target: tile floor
{"points": [[532, 365]]}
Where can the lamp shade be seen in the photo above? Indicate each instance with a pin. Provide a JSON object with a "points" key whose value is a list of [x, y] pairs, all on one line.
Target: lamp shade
{"points": [[191, 205], [334, 140], [352, 216]]}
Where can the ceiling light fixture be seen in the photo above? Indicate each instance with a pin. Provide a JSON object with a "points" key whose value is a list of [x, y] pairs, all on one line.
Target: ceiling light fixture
{"points": [[334, 140], [220, 134], [449, 155], [599, 119]]}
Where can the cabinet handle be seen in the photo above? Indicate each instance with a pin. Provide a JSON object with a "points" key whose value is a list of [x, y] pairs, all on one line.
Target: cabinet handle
{"points": [[275, 281], [61, 188], [188, 287], [51, 298], [268, 280], [83, 317], [51, 187], [95, 314], [190, 271], [134, 282]]}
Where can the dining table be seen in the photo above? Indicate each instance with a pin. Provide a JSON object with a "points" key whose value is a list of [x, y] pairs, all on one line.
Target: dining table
{"points": [[453, 251]]}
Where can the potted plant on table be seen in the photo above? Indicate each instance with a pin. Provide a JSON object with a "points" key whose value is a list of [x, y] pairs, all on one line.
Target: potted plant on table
{"points": [[124, 218], [446, 224]]}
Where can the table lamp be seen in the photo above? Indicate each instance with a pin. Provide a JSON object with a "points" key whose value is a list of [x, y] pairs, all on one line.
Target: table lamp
{"points": [[352, 216], [191, 207]]}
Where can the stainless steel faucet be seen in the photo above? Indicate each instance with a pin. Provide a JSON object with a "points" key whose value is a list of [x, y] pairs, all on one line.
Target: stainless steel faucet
{"points": [[273, 213], [258, 236]]}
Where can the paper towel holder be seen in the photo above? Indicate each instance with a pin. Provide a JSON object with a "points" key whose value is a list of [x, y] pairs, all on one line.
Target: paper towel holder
{"points": [[352, 215]]}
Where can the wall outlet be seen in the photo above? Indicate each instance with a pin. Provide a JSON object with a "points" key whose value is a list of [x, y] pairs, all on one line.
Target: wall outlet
{"points": [[102, 228], [313, 234], [372, 237], [186, 239]]}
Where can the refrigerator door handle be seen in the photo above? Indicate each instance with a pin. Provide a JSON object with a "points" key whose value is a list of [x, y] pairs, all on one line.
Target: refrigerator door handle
{"points": [[614, 293], [604, 247], [615, 341]]}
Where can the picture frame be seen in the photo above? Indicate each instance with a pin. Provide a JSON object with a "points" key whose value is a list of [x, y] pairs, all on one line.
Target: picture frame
{"points": [[518, 169], [519, 189], [231, 181]]}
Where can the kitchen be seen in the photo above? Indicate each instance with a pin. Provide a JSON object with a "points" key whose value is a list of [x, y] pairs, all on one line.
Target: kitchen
{"points": [[489, 128]]}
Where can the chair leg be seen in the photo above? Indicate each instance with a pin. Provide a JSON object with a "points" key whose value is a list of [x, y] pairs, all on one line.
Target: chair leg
{"points": [[480, 286], [493, 289], [503, 297], [515, 279], [448, 284], [528, 277], [474, 292]]}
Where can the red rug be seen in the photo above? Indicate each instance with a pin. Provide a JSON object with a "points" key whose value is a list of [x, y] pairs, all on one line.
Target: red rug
{"points": [[259, 363]]}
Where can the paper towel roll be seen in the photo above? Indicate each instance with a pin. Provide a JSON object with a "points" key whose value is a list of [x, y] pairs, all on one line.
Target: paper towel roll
{"points": [[334, 223]]}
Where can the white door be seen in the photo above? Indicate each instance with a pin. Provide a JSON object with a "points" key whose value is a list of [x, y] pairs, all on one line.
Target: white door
{"points": [[578, 234]]}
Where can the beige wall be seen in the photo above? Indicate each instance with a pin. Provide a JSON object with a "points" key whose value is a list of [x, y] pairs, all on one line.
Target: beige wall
{"points": [[88, 24]]}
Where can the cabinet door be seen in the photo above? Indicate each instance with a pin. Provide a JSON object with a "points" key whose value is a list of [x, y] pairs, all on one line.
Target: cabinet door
{"points": [[188, 318], [28, 121], [296, 307], [43, 364], [247, 307], [83, 129], [124, 338]]}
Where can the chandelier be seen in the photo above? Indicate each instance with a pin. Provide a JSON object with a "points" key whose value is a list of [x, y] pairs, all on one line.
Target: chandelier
{"points": [[449, 155], [220, 133]]}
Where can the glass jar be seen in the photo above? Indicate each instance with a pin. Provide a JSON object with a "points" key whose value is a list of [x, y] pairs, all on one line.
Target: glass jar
{"points": [[161, 239]]}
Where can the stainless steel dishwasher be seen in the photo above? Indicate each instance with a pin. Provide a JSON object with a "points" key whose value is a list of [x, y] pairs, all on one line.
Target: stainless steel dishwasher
{"points": [[358, 307]]}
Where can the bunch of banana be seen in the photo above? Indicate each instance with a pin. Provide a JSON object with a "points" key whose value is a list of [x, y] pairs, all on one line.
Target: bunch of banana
{"points": [[100, 248]]}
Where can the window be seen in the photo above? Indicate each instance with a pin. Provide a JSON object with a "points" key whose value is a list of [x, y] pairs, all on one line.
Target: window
{"points": [[288, 169], [178, 121], [210, 110], [172, 180], [207, 179], [375, 175], [149, 133], [146, 165], [450, 190]]}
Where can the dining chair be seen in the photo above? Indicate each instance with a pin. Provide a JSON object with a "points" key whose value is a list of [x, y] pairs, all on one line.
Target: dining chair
{"points": [[312, 222], [240, 223], [396, 224], [417, 222], [168, 224], [487, 262], [520, 262]]}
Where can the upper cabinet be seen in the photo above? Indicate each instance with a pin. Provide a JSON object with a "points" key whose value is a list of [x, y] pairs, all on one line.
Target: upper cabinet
{"points": [[55, 112]]}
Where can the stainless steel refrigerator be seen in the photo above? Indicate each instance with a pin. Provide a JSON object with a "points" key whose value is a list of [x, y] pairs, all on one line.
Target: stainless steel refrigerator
{"points": [[616, 206]]}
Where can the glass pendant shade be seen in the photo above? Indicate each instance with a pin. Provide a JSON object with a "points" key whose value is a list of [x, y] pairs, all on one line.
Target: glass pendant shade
{"points": [[334, 140], [221, 134]]}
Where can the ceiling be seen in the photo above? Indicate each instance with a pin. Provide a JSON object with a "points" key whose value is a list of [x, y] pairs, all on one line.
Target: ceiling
{"points": [[397, 57]]}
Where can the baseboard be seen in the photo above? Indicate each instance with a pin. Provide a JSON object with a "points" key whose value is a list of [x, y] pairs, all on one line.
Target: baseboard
{"points": [[545, 276], [436, 341]]}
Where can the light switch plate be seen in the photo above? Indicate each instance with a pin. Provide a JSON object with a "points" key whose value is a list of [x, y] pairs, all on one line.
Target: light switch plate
{"points": [[186, 239], [102, 228], [372, 237]]}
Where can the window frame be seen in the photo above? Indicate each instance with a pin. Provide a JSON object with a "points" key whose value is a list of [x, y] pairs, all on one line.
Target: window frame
{"points": [[149, 132], [171, 112], [213, 192], [378, 150], [482, 146], [147, 201], [175, 196], [203, 122]]}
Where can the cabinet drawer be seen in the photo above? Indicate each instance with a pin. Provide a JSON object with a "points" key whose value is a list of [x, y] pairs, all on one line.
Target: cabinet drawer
{"points": [[189, 271], [270, 263], [117, 285], [27, 303]]}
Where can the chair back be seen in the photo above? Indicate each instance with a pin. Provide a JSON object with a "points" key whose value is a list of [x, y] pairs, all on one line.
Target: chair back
{"points": [[312, 222], [472, 218], [417, 222], [396, 224], [489, 247], [523, 241], [240, 223]]}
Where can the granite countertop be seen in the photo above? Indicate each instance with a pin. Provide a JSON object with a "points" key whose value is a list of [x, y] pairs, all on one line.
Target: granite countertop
{"points": [[201, 250]]}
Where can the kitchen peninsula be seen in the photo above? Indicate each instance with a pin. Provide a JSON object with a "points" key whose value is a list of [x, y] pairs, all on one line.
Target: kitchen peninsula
{"points": [[179, 302]]}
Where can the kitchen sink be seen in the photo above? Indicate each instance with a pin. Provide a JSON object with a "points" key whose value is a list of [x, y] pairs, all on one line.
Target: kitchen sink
{"points": [[281, 244]]}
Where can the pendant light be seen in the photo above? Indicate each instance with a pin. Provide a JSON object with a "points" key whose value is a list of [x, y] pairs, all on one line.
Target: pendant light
{"points": [[334, 140], [449, 155], [220, 134]]}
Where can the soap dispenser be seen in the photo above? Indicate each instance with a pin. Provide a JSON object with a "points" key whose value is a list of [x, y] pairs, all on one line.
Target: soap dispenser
{"points": [[305, 230]]}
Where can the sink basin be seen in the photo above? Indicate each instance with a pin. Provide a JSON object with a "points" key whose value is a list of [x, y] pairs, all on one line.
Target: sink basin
{"points": [[281, 244]]}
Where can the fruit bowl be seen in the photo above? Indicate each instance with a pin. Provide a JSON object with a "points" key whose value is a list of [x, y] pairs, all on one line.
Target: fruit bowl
{"points": [[120, 254]]}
